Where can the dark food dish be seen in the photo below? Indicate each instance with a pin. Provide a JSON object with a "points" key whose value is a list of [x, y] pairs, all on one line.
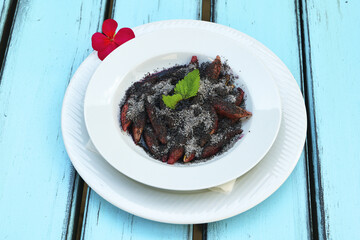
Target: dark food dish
{"points": [[199, 127]]}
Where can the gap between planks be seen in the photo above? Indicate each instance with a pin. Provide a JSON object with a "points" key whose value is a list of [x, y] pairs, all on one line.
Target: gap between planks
{"points": [[81, 210], [77, 234], [301, 20], [315, 201], [7, 31]]}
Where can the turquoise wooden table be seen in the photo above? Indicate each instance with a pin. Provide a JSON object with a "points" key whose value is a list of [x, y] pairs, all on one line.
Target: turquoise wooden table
{"points": [[42, 45]]}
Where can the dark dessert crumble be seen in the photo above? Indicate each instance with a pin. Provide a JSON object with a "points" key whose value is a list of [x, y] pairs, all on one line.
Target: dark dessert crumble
{"points": [[199, 127]]}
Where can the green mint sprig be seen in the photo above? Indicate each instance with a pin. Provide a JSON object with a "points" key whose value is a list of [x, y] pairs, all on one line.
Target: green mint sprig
{"points": [[184, 89]]}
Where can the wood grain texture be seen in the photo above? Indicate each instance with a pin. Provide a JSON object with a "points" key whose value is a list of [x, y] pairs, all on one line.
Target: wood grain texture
{"points": [[104, 221], [49, 40], [138, 12], [284, 215], [101, 219], [4, 8], [332, 39]]}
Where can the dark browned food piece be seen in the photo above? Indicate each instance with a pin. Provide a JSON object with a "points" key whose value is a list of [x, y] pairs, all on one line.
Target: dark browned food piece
{"points": [[234, 121], [210, 150], [195, 61], [138, 127], [227, 77], [155, 77], [229, 110], [159, 128], [175, 154], [240, 97], [164, 158], [213, 70], [125, 123], [204, 140], [189, 158], [243, 113], [232, 134], [215, 120], [151, 140]]}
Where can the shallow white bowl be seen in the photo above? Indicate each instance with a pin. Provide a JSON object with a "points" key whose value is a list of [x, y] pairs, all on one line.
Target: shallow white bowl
{"points": [[165, 48]]}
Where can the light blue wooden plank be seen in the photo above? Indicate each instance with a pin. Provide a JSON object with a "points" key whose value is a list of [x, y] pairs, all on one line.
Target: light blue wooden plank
{"points": [[103, 220], [4, 9], [333, 70], [285, 214], [48, 42], [137, 12]]}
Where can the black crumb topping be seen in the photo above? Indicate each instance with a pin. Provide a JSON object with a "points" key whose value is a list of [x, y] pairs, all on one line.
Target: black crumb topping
{"points": [[194, 128]]}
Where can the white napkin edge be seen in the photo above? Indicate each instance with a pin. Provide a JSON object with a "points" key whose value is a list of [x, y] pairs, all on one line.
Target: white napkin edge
{"points": [[223, 188], [90, 146]]}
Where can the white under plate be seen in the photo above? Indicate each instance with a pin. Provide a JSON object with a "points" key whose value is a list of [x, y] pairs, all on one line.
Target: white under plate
{"points": [[196, 206], [165, 48]]}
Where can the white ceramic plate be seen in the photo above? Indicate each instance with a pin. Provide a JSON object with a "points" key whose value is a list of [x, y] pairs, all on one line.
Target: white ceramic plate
{"points": [[165, 48], [197, 206]]}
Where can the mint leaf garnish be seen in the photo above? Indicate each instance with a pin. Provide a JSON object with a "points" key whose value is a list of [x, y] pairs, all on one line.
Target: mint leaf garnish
{"points": [[184, 89], [189, 86], [171, 101]]}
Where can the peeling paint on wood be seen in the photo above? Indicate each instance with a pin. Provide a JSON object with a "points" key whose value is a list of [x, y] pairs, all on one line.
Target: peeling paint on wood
{"points": [[37, 179], [333, 69], [284, 215]]}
